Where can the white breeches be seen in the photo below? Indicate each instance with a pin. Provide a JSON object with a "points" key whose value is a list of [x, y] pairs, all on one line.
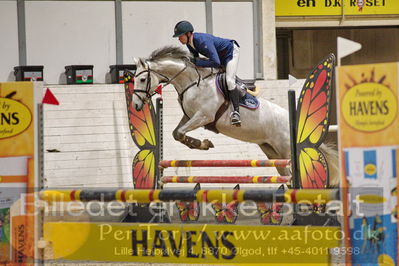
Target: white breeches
{"points": [[231, 68]]}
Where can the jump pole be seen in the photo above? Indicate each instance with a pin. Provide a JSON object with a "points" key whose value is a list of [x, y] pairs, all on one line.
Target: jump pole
{"points": [[309, 196], [226, 179], [225, 163]]}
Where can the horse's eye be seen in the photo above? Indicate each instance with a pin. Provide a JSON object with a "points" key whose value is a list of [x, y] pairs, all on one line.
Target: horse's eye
{"points": [[142, 79]]}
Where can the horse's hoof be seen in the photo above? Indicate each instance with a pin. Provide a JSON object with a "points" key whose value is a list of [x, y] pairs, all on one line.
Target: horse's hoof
{"points": [[208, 144]]}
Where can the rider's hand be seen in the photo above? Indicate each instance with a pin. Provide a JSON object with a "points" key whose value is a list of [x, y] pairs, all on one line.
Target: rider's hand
{"points": [[193, 59]]}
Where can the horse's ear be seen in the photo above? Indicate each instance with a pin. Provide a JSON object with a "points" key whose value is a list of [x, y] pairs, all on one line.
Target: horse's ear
{"points": [[138, 62], [141, 63]]}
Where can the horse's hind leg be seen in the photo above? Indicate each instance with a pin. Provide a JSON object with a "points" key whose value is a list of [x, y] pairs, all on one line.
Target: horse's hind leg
{"points": [[188, 124], [271, 153]]}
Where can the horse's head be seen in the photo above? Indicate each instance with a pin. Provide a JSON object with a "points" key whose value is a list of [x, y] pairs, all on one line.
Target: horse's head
{"points": [[165, 65], [146, 82]]}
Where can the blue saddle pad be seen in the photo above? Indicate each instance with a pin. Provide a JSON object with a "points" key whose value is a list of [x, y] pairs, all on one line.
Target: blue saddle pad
{"points": [[249, 101]]}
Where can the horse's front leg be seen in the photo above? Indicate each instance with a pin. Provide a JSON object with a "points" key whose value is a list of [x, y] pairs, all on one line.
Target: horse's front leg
{"points": [[188, 124]]}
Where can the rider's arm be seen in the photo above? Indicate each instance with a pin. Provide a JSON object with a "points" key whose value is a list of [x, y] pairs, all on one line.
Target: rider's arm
{"points": [[192, 51], [209, 50]]}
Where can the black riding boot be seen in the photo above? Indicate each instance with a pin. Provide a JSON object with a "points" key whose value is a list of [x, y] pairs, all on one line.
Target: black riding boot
{"points": [[235, 99]]}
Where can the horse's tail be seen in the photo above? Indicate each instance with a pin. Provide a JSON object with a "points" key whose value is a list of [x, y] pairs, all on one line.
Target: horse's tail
{"points": [[333, 165]]}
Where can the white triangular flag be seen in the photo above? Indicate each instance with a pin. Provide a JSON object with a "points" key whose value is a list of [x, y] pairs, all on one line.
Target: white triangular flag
{"points": [[291, 80], [346, 47]]}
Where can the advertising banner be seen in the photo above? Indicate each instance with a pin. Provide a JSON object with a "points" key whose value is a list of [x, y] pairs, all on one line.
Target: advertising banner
{"points": [[286, 8], [195, 243], [18, 169], [368, 137]]}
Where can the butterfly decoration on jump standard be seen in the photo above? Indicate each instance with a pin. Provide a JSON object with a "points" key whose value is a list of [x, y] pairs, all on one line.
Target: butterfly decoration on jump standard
{"points": [[189, 211], [312, 127], [271, 213], [226, 212], [313, 109], [142, 130]]}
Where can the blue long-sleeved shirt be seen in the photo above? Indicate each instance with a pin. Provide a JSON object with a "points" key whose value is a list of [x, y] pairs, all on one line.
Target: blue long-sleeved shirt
{"points": [[218, 51]]}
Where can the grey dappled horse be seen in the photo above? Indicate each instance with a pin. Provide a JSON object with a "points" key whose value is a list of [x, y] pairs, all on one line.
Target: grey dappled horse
{"points": [[267, 126]]}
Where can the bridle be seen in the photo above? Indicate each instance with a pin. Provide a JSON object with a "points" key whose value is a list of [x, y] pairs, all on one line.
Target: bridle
{"points": [[148, 95]]}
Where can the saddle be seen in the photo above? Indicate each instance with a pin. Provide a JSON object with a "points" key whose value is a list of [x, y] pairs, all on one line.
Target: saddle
{"points": [[247, 100]]}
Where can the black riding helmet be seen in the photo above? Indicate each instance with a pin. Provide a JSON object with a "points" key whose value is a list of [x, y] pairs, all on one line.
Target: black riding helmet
{"points": [[182, 28]]}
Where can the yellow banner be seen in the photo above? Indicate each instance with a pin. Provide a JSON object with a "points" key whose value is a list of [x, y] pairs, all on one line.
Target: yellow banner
{"points": [[202, 244], [368, 137], [17, 169], [334, 7], [368, 98]]}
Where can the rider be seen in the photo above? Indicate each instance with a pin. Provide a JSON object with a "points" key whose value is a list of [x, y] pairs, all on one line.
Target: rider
{"points": [[219, 52]]}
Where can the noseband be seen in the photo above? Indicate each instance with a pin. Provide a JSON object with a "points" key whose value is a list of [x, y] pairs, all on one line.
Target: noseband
{"points": [[148, 95]]}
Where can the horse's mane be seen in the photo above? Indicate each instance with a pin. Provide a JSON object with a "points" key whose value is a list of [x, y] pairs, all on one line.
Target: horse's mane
{"points": [[169, 52]]}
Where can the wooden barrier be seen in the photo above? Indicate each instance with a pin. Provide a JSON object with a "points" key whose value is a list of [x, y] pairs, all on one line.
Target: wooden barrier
{"points": [[317, 196], [226, 179]]}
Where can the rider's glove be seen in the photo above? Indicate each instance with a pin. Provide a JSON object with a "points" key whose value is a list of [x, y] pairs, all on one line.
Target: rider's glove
{"points": [[193, 60]]}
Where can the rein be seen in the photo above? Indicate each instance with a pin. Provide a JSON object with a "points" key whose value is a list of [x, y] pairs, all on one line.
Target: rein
{"points": [[148, 86], [168, 81], [194, 83], [148, 95]]}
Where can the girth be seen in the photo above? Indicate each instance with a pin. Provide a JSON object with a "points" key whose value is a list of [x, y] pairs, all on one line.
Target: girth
{"points": [[211, 126]]}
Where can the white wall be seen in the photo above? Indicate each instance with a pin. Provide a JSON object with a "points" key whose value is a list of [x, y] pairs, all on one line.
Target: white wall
{"points": [[60, 33], [90, 132], [235, 21], [149, 25], [8, 40]]}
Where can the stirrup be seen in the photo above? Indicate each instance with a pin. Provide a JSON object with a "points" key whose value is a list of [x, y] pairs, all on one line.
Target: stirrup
{"points": [[235, 118]]}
